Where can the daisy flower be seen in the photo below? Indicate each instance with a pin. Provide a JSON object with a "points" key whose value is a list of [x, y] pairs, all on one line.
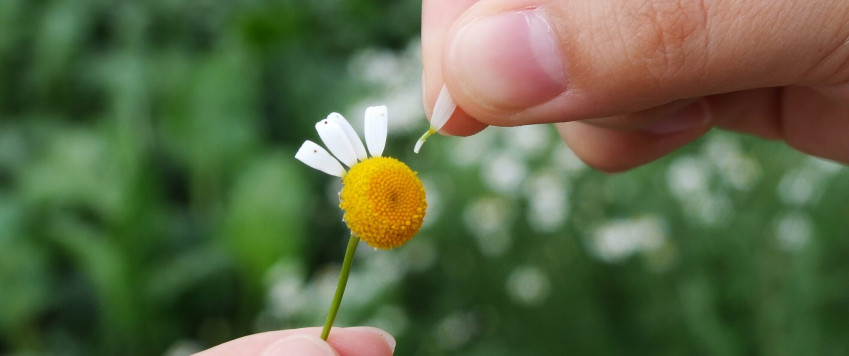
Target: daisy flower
{"points": [[383, 199]]}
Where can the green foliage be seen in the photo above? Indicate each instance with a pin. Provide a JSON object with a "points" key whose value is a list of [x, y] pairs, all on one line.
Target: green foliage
{"points": [[150, 202], [146, 168]]}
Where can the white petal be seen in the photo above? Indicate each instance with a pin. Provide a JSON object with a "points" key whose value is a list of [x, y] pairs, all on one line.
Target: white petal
{"points": [[443, 109], [350, 133], [317, 157], [418, 146], [376, 121], [336, 141], [422, 139]]}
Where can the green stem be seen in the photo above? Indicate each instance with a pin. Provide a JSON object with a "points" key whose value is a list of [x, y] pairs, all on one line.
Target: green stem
{"points": [[340, 288]]}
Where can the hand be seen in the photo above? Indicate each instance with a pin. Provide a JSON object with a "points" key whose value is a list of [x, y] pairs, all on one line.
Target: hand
{"points": [[358, 341], [630, 81]]}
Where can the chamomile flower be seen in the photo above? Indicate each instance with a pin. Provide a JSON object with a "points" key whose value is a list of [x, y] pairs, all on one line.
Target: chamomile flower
{"points": [[383, 199]]}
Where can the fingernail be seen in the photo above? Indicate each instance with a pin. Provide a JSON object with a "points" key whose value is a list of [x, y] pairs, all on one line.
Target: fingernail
{"points": [[690, 117], [306, 345], [508, 61], [390, 341]]}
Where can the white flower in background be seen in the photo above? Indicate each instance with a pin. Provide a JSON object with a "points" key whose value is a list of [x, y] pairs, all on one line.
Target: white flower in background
{"points": [[617, 240], [504, 172], [793, 231], [528, 285]]}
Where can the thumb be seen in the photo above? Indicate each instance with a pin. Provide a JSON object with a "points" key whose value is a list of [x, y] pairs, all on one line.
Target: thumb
{"points": [[515, 62], [300, 344]]}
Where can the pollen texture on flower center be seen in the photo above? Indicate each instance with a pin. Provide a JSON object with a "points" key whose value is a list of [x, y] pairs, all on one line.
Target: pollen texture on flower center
{"points": [[384, 202]]}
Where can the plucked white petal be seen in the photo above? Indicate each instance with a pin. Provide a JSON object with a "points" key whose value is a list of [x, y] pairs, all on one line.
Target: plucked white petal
{"points": [[443, 109], [317, 157], [376, 122], [422, 139], [336, 141], [419, 144], [350, 133]]}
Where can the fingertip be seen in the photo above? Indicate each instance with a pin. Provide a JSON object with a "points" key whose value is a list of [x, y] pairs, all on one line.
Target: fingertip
{"points": [[462, 124], [361, 341], [438, 17], [459, 124], [529, 73], [387, 338], [300, 344]]}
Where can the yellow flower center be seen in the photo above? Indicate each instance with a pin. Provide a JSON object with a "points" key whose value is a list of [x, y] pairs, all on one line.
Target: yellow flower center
{"points": [[384, 202]]}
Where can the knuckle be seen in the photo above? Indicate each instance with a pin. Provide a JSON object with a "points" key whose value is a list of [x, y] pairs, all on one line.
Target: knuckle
{"points": [[667, 37], [832, 68]]}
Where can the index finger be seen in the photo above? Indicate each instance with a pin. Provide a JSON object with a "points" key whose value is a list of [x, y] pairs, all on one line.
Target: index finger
{"points": [[355, 341], [438, 16]]}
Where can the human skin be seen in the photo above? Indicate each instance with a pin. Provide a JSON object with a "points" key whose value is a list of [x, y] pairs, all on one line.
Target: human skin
{"points": [[627, 82], [356, 341]]}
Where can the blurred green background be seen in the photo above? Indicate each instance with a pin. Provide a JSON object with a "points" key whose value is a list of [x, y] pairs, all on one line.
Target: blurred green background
{"points": [[150, 202]]}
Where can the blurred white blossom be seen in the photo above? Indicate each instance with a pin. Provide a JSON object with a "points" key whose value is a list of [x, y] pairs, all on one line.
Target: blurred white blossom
{"points": [[488, 219], [689, 181], [793, 230], [734, 167], [687, 176], [434, 201], [420, 253], [825, 166], [183, 348], [563, 158], [287, 293], [456, 330], [709, 208], [799, 187], [396, 77], [391, 318], [528, 285], [470, 151], [617, 240], [504, 173], [547, 195], [529, 140]]}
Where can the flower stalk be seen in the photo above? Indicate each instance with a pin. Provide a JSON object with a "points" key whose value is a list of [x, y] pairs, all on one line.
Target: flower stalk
{"points": [[340, 287], [383, 199]]}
